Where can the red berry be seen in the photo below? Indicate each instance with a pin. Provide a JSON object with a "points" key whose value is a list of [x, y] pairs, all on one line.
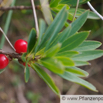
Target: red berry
{"points": [[4, 61], [21, 46]]}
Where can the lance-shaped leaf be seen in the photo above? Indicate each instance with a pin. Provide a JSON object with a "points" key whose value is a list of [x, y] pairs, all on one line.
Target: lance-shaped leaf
{"points": [[51, 1], [70, 77], [26, 73], [77, 71], [70, 17], [53, 65], [67, 53], [54, 3], [46, 11], [61, 37], [78, 23], [42, 28], [73, 2], [65, 60], [31, 41], [23, 57], [73, 41], [88, 55], [88, 45], [91, 14], [52, 51], [55, 27], [46, 78], [81, 63], [59, 7]]}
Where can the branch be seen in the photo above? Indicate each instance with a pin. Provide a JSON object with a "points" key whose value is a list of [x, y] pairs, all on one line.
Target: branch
{"points": [[19, 8], [76, 9], [11, 55], [17, 56], [7, 39], [92, 8], [35, 18]]}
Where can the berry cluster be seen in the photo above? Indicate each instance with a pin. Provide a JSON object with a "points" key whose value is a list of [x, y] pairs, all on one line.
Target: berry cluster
{"points": [[20, 47]]}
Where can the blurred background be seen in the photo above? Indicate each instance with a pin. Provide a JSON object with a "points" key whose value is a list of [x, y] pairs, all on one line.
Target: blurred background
{"points": [[13, 88]]}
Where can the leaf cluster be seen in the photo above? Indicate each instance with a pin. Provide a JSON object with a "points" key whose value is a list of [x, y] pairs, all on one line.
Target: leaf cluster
{"points": [[56, 6], [61, 50]]}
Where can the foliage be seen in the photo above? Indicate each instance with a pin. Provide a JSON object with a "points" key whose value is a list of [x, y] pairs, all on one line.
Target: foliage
{"points": [[56, 6], [60, 51], [60, 48]]}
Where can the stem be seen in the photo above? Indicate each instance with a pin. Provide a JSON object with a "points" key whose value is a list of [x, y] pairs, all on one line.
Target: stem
{"points": [[18, 8], [7, 39], [92, 8], [17, 56], [76, 9], [12, 55], [35, 17]]}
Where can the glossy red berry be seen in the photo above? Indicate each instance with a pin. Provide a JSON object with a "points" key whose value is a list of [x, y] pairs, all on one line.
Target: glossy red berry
{"points": [[4, 61], [21, 46]]}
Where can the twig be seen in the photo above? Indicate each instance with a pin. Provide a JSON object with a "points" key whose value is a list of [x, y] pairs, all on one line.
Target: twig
{"points": [[16, 56], [11, 55], [76, 9], [7, 39], [19, 8], [92, 8], [35, 17]]}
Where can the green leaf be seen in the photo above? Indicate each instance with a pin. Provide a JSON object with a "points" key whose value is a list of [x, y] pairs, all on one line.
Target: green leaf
{"points": [[77, 71], [65, 60], [51, 1], [53, 65], [78, 23], [88, 55], [31, 41], [52, 51], [42, 28], [68, 53], [59, 7], [73, 2], [88, 45], [61, 23], [74, 41], [70, 77], [46, 11], [81, 63], [23, 57], [54, 28], [40, 52], [54, 3], [55, 11], [61, 37], [46, 78], [27, 73], [70, 17], [91, 15]]}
